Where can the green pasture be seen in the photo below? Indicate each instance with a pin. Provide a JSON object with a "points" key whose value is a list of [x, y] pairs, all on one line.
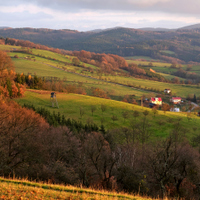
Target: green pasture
{"points": [[195, 68], [8, 47], [70, 105], [169, 76], [165, 70], [154, 63], [54, 63], [139, 57], [40, 69], [45, 69], [177, 89], [35, 58], [52, 55], [168, 52]]}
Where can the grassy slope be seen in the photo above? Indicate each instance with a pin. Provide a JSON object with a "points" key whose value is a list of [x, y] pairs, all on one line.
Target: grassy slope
{"points": [[41, 67], [140, 57], [69, 105], [177, 89], [71, 108], [22, 189], [27, 66], [155, 63]]}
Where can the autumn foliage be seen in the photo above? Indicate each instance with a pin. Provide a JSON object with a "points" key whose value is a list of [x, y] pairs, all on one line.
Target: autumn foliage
{"points": [[106, 62], [8, 87]]}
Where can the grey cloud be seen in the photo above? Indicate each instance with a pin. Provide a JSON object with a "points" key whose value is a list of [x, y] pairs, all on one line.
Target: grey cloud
{"points": [[24, 19], [170, 6]]}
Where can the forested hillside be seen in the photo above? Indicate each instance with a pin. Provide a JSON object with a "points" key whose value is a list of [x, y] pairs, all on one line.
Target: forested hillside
{"points": [[176, 45]]}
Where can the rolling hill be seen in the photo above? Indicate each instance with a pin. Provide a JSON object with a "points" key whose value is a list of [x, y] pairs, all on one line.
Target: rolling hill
{"points": [[70, 106], [131, 148], [185, 43]]}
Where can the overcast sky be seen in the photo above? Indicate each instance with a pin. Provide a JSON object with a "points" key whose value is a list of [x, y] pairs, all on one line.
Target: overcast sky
{"points": [[84, 15]]}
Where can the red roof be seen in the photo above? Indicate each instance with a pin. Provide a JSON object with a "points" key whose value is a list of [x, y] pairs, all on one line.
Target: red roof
{"points": [[176, 98], [156, 99]]}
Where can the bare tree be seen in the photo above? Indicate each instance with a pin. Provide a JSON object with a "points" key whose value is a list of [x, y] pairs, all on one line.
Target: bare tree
{"points": [[93, 109], [114, 118], [100, 161], [136, 114], [125, 114], [169, 165], [82, 112], [103, 108]]}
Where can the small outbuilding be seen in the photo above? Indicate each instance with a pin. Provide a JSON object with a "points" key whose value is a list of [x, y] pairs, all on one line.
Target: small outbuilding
{"points": [[175, 100], [167, 91], [175, 109]]}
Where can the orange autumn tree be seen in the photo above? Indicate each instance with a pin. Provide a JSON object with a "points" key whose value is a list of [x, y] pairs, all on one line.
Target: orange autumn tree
{"points": [[6, 67], [8, 88], [20, 132]]}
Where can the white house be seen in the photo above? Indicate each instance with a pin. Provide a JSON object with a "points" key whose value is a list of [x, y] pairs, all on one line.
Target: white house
{"points": [[156, 100]]}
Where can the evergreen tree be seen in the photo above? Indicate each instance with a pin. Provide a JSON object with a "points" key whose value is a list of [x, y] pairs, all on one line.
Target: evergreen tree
{"points": [[9, 87], [195, 99]]}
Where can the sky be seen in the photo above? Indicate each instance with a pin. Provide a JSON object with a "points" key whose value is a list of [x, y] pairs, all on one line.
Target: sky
{"points": [[85, 15]]}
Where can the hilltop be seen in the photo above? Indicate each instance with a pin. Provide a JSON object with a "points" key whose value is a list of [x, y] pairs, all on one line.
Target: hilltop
{"points": [[121, 41]]}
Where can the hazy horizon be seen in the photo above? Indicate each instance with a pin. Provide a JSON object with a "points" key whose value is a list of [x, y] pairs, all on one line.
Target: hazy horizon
{"points": [[85, 15]]}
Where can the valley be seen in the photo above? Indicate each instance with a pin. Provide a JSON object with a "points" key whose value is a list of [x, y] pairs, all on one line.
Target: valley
{"points": [[101, 130]]}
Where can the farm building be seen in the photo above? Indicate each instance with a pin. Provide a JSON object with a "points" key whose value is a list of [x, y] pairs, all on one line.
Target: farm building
{"points": [[175, 109], [168, 91], [156, 100], [175, 100]]}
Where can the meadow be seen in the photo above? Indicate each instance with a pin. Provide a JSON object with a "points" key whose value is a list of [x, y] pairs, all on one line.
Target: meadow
{"points": [[147, 61], [140, 58], [182, 90], [70, 105], [42, 65]]}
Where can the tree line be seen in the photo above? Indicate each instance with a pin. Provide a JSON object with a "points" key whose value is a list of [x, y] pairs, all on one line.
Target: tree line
{"points": [[56, 119]]}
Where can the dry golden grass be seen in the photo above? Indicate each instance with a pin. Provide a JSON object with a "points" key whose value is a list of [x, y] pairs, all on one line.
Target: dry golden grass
{"points": [[23, 189]]}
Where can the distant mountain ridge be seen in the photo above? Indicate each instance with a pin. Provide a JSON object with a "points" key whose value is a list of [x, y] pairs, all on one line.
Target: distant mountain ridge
{"points": [[156, 29], [4, 27], [168, 44], [191, 27]]}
